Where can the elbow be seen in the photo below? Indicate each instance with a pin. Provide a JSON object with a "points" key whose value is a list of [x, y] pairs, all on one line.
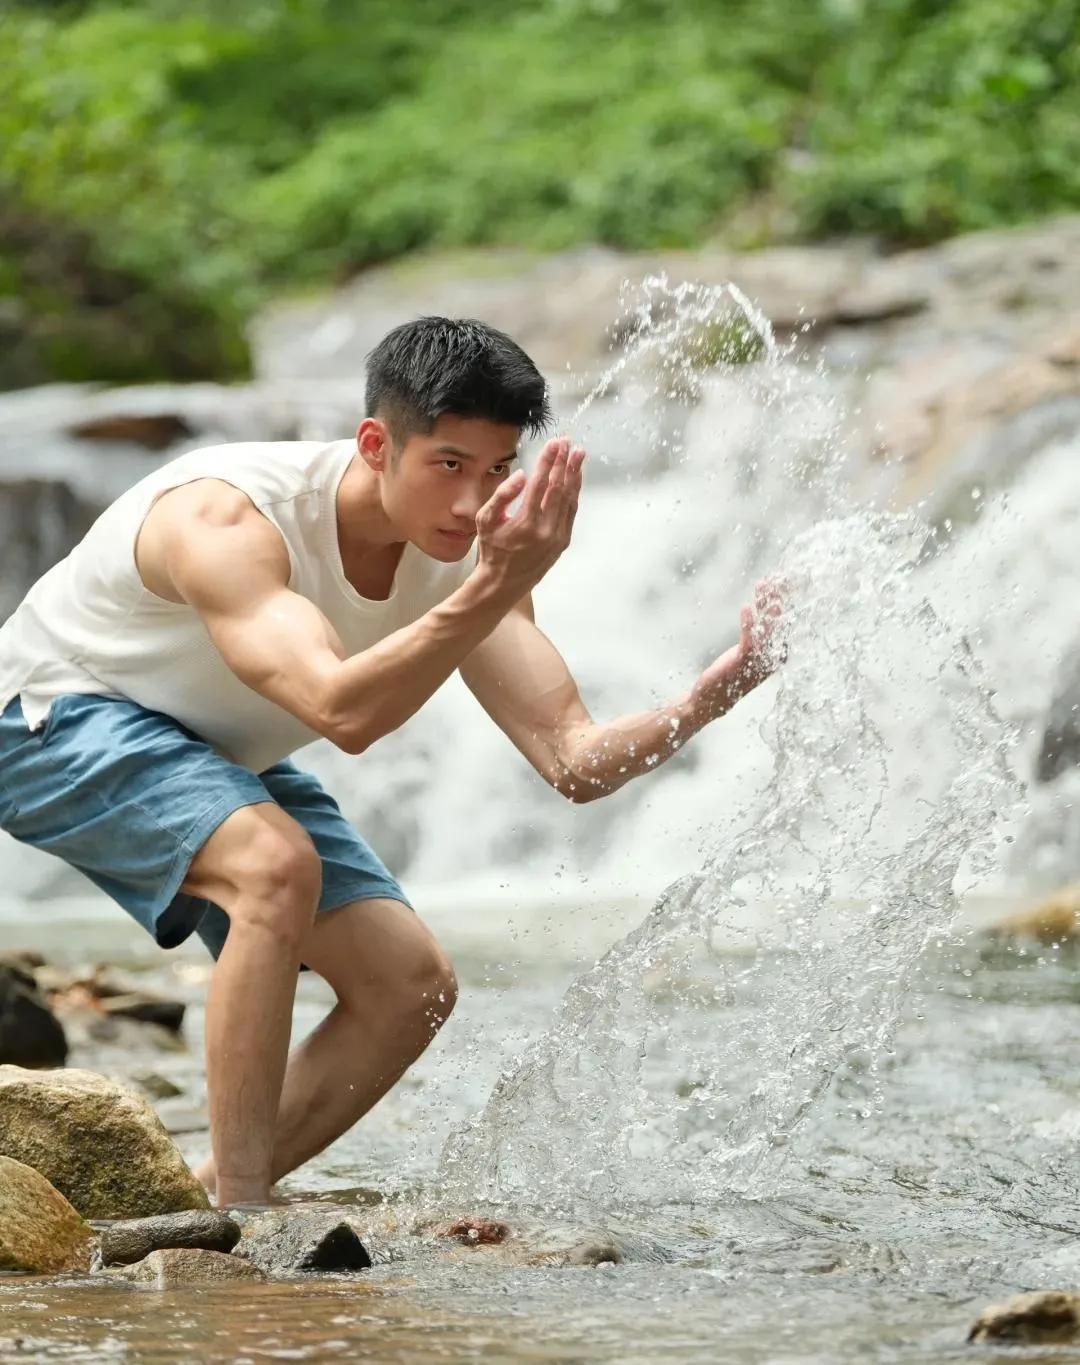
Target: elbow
{"points": [[348, 741], [579, 791], [345, 732]]}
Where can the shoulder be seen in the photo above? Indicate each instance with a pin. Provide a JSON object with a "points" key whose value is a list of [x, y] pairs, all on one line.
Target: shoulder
{"points": [[205, 502], [201, 530]]}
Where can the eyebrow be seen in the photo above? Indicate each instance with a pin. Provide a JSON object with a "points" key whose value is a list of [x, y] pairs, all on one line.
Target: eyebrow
{"points": [[460, 454]]}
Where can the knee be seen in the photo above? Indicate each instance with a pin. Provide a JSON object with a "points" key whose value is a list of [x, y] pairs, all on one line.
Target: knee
{"points": [[431, 988], [279, 885]]}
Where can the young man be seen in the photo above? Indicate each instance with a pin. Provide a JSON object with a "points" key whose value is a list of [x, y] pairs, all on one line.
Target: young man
{"points": [[247, 599]]}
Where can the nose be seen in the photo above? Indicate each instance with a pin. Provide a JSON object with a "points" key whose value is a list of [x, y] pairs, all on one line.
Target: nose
{"points": [[466, 504]]}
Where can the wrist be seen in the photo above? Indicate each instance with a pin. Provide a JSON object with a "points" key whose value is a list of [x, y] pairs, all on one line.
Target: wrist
{"points": [[496, 586]]}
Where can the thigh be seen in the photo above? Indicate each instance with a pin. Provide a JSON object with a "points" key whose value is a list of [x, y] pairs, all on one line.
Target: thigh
{"points": [[125, 795], [352, 872], [351, 869]]}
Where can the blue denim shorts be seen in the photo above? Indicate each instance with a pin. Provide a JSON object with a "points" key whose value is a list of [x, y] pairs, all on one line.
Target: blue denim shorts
{"points": [[129, 796]]}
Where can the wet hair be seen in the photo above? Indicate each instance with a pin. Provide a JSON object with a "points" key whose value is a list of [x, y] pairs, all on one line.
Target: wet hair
{"points": [[436, 367]]}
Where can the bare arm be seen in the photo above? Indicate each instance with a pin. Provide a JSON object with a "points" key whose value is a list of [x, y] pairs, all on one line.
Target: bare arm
{"points": [[227, 561], [523, 683]]}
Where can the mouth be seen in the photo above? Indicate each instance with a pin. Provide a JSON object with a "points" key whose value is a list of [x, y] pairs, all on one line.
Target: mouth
{"points": [[458, 535]]}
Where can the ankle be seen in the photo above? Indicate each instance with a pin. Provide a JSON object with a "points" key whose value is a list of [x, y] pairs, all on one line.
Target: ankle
{"points": [[234, 1192]]}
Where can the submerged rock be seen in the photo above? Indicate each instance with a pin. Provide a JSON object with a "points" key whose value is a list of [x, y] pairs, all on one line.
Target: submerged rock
{"points": [[39, 1230], [281, 1241], [182, 1265], [1054, 920], [99, 1144], [1048, 1316], [594, 1253], [195, 1229], [30, 1034]]}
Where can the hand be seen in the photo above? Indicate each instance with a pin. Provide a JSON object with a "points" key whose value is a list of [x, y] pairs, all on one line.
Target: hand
{"points": [[519, 550], [751, 661]]}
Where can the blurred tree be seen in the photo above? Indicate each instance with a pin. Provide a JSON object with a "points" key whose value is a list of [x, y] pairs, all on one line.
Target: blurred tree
{"points": [[206, 154]]}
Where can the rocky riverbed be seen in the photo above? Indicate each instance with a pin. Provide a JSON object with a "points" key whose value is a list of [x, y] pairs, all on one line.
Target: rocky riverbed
{"points": [[917, 1198]]}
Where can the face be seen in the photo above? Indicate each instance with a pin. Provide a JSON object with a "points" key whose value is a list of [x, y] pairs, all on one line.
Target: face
{"points": [[433, 486]]}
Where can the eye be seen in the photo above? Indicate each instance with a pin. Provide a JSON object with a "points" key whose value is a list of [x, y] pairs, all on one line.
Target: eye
{"points": [[452, 465], [500, 469]]}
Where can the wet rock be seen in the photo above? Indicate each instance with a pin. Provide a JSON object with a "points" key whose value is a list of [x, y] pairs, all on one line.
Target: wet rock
{"points": [[196, 1229], [146, 1009], [39, 1230], [108, 992], [40, 520], [181, 1116], [286, 1240], [1049, 1316], [176, 1267], [474, 1231], [1054, 920], [30, 1034], [85, 1028], [152, 430], [594, 1253], [156, 1086], [101, 1145]]}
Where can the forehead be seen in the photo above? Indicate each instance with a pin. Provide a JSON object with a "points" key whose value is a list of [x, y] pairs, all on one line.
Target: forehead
{"points": [[472, 436]]}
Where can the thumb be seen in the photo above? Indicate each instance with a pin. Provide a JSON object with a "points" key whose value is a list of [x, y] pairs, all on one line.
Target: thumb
{"points": [[494, 510]]}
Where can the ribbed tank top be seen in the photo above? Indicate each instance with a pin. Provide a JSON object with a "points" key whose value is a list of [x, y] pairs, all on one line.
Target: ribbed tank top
{"points": [[90, 625]]}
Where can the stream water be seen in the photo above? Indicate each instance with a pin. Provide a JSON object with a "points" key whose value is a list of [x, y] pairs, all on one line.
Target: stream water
{"points": [[732, 1026]]}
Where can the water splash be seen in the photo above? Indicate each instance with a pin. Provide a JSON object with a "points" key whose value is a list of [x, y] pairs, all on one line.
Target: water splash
{"points": [[820, 894]]}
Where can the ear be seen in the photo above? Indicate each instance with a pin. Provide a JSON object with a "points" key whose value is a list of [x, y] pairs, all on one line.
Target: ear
{"points": [[373, 443]]}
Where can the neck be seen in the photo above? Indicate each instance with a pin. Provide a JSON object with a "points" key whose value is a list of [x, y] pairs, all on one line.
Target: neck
{"points": [[370, 545], [363, 527]]}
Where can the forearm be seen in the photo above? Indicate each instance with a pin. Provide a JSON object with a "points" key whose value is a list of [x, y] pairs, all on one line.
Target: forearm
{"points": [[598, 759], [373, 693]]}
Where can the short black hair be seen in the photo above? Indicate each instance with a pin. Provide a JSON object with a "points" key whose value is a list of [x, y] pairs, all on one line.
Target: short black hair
{"points": [[434, 367]]}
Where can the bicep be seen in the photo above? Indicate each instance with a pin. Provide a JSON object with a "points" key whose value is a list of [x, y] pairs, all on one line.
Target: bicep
{"points": [[234, 572]]}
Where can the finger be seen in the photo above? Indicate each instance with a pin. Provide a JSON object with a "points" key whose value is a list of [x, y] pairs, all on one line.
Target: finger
{"points": [[746, 628], [556, 479], [572, 489], [493, 512], [534, 492]]}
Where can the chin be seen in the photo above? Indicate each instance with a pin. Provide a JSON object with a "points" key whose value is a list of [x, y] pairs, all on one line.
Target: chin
{"points": [[436, 546]]}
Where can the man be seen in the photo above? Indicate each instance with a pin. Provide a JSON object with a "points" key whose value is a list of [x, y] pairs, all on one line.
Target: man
{"points": [[246, 599]]}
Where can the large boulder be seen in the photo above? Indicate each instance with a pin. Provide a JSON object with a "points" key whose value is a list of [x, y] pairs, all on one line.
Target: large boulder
{"points": [[1042, 1318], [100, 1145], [30, 1034], [1056, 919], [128, 1241], [39, 1230]]}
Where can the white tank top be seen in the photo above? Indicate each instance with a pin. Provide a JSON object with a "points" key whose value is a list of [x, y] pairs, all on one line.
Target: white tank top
{"points": [[90, 625]]}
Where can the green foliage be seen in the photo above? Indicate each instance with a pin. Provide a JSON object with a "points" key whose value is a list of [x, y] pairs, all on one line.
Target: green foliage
{"points": [[208, 153]]}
